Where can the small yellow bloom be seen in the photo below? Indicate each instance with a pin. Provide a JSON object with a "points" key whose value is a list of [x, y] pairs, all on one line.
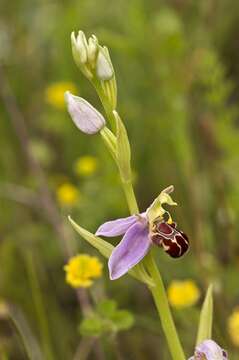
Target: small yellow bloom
{"points": [[82, 269], [67, 194], [183, 293], [86, 165], [54, 93], [233, 326]]}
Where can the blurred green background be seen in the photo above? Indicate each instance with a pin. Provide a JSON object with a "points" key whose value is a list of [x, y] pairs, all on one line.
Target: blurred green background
{"points": [[177, 71]]}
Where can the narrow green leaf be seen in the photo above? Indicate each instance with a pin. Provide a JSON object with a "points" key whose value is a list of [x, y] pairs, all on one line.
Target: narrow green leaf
{"points": [[101, 245], [106, 249], [32, 347], [206, 317]]}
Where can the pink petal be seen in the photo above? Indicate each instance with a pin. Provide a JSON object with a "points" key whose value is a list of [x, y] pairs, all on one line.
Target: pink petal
{"points": [[132, 248], [116, 227], [209, 350]]}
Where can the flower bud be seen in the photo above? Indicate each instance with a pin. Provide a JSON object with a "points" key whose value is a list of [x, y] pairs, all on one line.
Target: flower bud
{"points": [[79, 47], [92, 49], [83, 114], [104, 68]]}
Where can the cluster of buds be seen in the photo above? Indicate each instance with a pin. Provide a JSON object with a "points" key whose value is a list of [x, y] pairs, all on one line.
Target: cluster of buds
{"points": [[92, 59], [95, 63]]}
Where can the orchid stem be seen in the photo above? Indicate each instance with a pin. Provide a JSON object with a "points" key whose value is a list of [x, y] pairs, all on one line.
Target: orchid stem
{"points": [[106, 106], [161, 302], [130, 197]]}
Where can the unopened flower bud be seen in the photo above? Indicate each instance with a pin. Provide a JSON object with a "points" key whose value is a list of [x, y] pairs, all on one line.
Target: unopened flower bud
{"points": [[104, 69], [79, 47], [84, 115], [92, 49]]}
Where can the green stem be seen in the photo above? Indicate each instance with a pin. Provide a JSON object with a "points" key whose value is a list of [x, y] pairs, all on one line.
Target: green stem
{"points": [[105, 103], [161, 302], [130, 197]]}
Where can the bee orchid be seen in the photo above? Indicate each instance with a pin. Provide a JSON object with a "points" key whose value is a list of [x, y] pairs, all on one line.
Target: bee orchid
{"points": [[141, 231]]}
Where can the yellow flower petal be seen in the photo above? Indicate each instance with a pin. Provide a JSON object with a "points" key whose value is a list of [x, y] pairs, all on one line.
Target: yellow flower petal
{"points": [[233, 327], [82, 269], [183, 293], [67, 194]]}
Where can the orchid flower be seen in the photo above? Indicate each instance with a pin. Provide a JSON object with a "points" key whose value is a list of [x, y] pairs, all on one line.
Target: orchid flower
{"points": [[140, 232], [209, 350]]}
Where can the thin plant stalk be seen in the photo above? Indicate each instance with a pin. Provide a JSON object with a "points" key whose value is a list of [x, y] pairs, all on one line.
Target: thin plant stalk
{"points": [[161, 302], [130, 197], [104, 101]]}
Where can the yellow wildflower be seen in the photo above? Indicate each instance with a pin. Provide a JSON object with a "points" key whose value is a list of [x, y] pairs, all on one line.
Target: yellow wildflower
{"points": [[82, 269], [67, 194], [86, 165], [183, 293], [54, 93], [233, 326]]}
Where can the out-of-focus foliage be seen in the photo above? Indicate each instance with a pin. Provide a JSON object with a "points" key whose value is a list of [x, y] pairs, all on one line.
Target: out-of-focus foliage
{"points": [[106, 319], [176, 64]]}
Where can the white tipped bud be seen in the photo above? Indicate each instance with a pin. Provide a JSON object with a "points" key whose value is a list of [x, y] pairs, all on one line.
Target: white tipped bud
{"points": [[92, 49], [74, 48], [104, 69], [79, 48], [83, 114], [81, 44]]}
